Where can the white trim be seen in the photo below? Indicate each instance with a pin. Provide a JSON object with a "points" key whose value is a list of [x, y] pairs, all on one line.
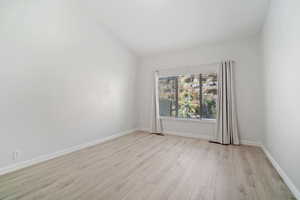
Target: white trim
{"points": [[188, 74], [251, 143], [190, 135], [39, 159], [182, 134], [144, 129], [208, 121], [201, 136], [192, 69], [282, 173]]}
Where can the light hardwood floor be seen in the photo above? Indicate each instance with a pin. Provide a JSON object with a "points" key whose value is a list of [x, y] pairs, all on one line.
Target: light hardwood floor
{"points": [[144, 166]]}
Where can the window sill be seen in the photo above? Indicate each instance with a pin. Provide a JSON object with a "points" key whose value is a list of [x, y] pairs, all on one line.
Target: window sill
{"points": [[209, 121]]}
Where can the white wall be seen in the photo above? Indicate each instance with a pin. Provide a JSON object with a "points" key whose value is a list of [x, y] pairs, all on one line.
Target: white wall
{"points": [[246, 53], [63, 79], [281, 50]]}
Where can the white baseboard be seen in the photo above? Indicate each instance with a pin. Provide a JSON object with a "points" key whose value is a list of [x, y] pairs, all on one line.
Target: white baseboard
{"points": [[201, 136], [251, 143], [190, 135], [39, 159], [183, 134], [282, 173]]}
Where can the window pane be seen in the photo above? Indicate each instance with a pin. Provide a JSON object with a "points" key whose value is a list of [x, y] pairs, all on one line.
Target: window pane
{"points": [[209, 95], [167, 96], [188, 96], [184, 97]]}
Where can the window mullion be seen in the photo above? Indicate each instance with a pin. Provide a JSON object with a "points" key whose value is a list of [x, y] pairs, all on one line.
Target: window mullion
{"points": [[176, 96], [200, 96]]}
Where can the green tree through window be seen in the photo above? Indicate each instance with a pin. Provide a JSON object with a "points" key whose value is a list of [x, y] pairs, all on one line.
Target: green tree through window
{"points": [[188, 96]]}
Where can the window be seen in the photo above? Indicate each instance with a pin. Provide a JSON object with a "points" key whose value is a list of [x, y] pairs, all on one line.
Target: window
{"points": [[188, 96]]}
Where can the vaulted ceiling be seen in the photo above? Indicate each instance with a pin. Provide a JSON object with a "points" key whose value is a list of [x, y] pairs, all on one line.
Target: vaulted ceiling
{"points": [[152, 26]]}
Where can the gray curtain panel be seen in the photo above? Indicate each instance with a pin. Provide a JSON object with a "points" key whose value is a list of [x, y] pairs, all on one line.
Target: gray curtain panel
{"points": [[156, 124], [227, 127]]}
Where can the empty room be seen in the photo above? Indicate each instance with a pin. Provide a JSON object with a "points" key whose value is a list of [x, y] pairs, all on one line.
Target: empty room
{"points": [[149, 100]]}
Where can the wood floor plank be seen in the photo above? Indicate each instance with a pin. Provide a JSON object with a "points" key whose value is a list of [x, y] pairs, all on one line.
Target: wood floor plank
{"points": [[145, 166]]}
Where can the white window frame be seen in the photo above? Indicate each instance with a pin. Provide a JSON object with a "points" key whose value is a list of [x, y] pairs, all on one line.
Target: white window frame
{"points": [[201, 120]]}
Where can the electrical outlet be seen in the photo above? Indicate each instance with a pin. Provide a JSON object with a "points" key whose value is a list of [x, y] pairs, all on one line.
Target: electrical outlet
{"points": [[16, 155]]}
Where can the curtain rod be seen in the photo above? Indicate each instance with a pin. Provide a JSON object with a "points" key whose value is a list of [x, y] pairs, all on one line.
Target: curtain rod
{"points": [[198, 65]]}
